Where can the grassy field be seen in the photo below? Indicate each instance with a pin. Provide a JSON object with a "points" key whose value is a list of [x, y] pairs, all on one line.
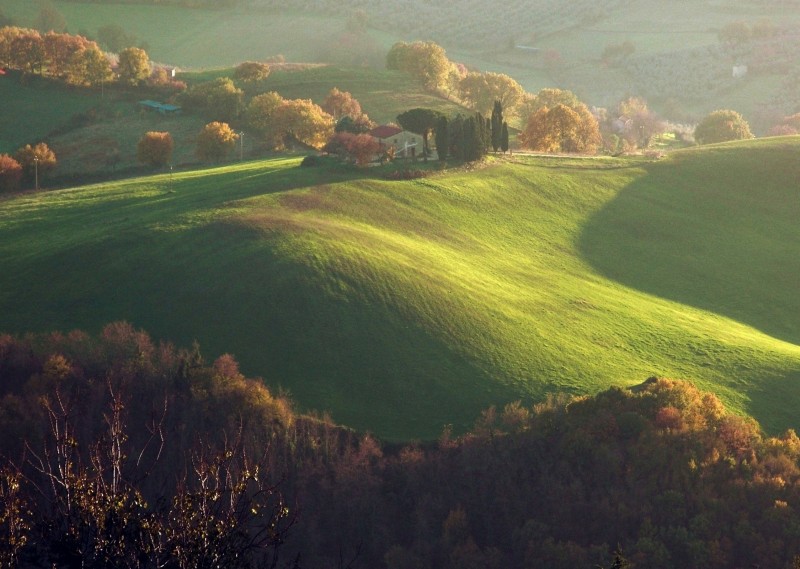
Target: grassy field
{"points": [[403, 306], [31, 111], [82, 126]]}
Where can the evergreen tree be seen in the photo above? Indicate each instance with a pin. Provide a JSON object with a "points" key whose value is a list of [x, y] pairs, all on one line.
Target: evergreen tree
{"points": [[504, 138], [497, 125], [474, 135], [474, 129], [456, 132], [483, 136], [469, 136], [442, 137]]}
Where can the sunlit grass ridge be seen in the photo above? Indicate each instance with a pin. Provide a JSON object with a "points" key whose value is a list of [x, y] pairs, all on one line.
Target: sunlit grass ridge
{"points": [[403, 306]]}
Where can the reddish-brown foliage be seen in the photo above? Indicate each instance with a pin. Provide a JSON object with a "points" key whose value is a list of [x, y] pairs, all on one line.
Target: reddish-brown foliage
{"points": [[341, 103], [10, 173], [407, 174], [38, 157], [155, 148]]}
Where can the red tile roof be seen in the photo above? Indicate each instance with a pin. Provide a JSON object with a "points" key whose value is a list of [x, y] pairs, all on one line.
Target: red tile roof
{"points": [[385, 131]]}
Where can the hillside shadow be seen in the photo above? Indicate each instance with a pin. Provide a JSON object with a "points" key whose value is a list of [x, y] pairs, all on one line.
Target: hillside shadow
{"points": [[716, 230], [768, 403]]}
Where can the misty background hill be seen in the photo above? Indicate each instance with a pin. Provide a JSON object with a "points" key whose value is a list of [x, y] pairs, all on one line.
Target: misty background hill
{"points": [[681, 56]]}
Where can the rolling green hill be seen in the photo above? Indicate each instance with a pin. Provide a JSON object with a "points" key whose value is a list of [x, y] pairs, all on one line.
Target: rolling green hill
{"points": [[403, 306]]}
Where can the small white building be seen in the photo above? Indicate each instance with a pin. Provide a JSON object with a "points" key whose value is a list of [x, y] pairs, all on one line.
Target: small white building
{"points": [[739, 71], [405, 143]]}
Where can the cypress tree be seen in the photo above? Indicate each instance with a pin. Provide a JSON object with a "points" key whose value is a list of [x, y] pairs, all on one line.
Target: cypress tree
{"points": [[504, 138], [478, 134], [469, 134], [497, 125], [474, 141], [442, 137], [456, 131], [483, 135]]}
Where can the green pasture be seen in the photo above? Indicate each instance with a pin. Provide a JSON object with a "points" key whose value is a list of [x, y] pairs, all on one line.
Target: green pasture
{"points": [[404, 306], [82, 126], [31, 111]]}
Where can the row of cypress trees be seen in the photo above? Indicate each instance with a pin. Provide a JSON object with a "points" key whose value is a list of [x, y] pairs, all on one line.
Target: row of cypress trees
{"points": [[470, 138]]}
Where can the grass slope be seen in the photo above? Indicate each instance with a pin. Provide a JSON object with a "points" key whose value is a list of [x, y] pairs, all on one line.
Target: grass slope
{"points": [[31, 111], [402, 306]]}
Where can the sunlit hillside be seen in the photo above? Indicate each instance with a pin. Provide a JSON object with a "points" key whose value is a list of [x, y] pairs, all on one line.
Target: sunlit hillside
{"points": [[404, 306]]}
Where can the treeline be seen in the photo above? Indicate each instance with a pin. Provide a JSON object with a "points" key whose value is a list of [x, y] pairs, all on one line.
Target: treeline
{"points": [[553, 120], [75, 60], [661, 473], [70, 58], [120, 452]]}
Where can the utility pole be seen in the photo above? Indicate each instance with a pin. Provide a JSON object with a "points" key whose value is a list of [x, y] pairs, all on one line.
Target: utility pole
{"points": [[36, 172], [241, 145]]}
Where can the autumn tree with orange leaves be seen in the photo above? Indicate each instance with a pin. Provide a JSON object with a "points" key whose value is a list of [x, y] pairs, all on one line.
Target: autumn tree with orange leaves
{"points": [[155, 148]]}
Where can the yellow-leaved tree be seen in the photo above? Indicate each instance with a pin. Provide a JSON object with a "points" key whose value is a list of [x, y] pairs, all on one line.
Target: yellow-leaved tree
{"points": [[561, 129], [300, 120], [215, 142], [259, 117], [134, 66]]}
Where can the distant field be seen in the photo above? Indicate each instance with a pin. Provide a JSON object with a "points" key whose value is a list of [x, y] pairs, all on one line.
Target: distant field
{"points": [[402, 306], [198, 37], [579, 31], [41, 110], [31, 111]]}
